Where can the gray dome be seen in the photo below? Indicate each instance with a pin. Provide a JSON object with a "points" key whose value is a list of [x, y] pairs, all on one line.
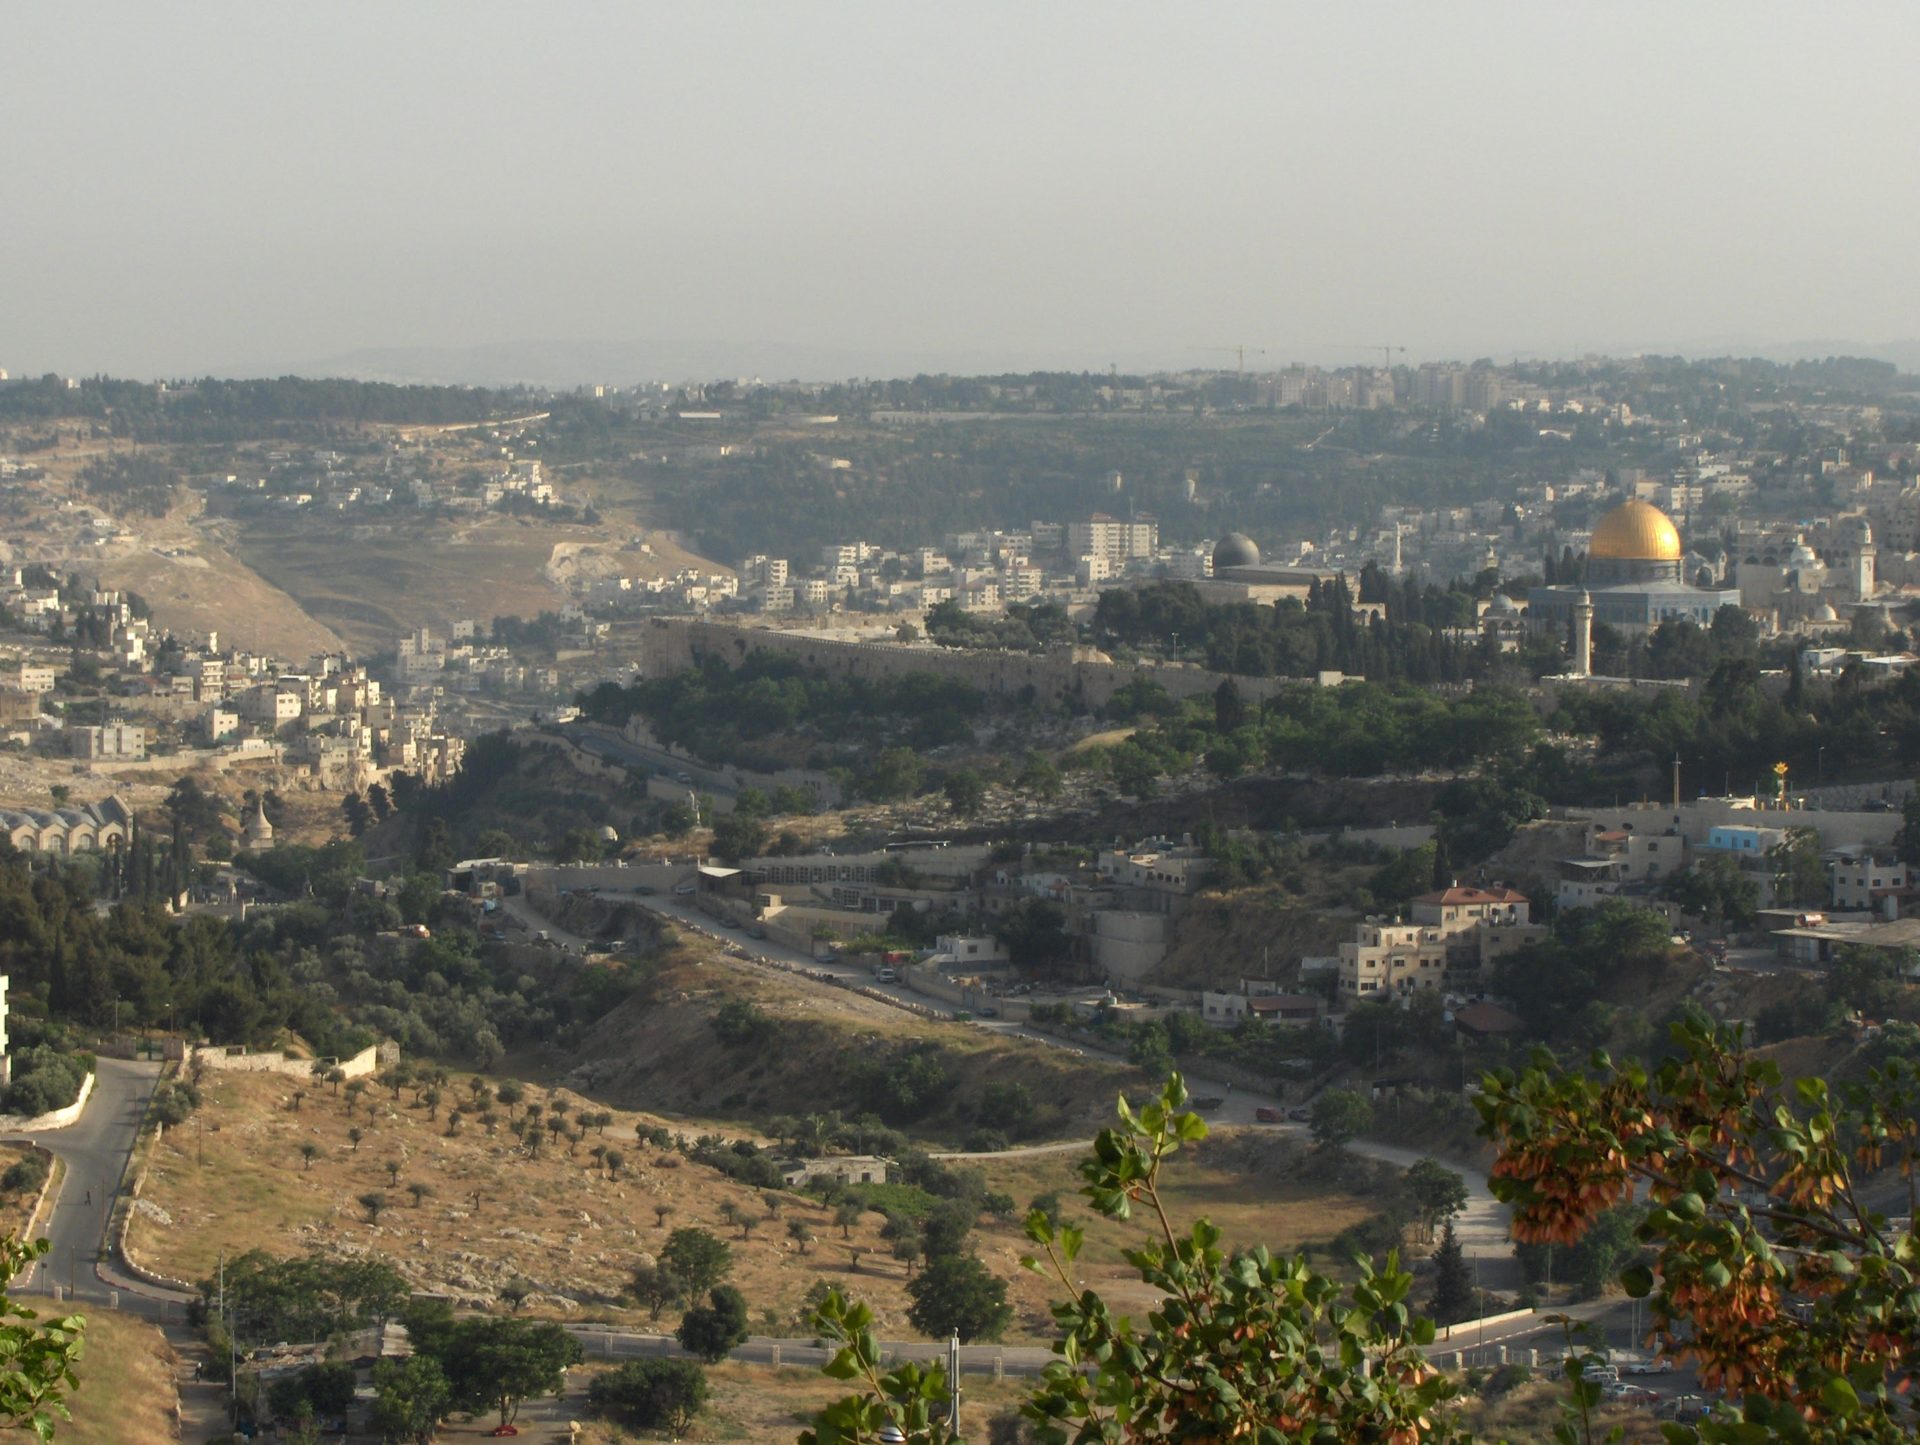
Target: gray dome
{"points": [[1236, 549]]}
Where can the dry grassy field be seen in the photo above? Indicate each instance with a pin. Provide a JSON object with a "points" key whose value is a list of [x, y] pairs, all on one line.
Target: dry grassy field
{"points": [[237, 1177], [661, 1053], [1530, 1412], [371, 589], [127, 1390]]}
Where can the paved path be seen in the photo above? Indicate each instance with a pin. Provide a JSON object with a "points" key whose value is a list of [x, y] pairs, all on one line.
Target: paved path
{"points": [[203, 1396], [95, 1149]]}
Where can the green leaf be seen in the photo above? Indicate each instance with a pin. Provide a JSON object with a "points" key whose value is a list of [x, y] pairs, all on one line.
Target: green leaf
{"points": [[1839, 1396], [843, 1366], [1637, 1281]]}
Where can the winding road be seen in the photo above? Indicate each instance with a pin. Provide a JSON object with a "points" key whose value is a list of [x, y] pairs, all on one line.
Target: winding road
{"points": [[95, 1149]]}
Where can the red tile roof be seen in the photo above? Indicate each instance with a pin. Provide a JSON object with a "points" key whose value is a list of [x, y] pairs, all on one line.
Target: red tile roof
{"points": [[1488, 1018], [1456, 895]]}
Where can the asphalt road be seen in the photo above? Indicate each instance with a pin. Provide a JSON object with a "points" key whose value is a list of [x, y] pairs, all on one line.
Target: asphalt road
{"points": [[605, 742], [95, 1149]]}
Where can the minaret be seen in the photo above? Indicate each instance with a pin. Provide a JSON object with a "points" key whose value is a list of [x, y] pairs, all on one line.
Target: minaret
{"points": [[1583, 635]]}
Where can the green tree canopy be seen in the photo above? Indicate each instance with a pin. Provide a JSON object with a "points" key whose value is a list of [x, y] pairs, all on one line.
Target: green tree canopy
{"points": [[957, 1294], [1339, 1116], [497, 1364], [650, 1395], [697, 1258], [711, 1330]]}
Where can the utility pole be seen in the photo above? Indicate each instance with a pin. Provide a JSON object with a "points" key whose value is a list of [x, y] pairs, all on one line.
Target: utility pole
{"points": [[233, 1392], [953, 1381], [1478, 1308]]}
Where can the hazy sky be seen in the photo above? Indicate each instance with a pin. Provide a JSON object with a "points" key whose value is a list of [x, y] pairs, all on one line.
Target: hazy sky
{"points": [[192, 186]]}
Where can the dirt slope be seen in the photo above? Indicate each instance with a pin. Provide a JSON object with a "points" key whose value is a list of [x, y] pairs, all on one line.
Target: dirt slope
{"points": [[664, 1054], [1251, 933]]}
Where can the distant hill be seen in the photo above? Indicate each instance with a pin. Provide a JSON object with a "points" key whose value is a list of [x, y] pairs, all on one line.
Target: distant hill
{"points": [[569, 363]]}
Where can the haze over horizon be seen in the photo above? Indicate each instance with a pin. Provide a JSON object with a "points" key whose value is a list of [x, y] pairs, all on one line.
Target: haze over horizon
{"points": [[867, 190]]}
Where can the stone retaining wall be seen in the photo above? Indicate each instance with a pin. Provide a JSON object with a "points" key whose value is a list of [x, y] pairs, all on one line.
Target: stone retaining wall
{"points": [[54, 1119], [46, 1187], [120, 1251], [217, 1056]]}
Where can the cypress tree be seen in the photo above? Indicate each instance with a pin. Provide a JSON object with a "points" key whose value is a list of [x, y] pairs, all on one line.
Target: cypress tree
{"points": [[1452, 1281]]}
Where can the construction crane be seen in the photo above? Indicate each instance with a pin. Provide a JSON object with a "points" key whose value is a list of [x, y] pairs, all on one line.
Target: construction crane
{"points": [[1240, 354], [1386, 352]]}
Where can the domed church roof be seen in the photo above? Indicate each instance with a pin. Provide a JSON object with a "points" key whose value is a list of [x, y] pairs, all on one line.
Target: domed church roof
{"points": [[1636, 531], [1236, 549]]}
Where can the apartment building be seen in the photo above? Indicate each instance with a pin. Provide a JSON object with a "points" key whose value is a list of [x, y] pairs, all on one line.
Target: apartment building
{"points": [[1448, 940], [111, 742], [1117, 542]]}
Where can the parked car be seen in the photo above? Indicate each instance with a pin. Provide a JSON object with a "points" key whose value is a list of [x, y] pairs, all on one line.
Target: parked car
{"points": [[1300, 1114], [1647, 1367], [1265, 1115], [685, 890], [885, 975]]}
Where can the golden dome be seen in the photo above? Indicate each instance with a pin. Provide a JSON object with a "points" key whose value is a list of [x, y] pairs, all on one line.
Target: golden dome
{"points": [[1636, 531]]}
